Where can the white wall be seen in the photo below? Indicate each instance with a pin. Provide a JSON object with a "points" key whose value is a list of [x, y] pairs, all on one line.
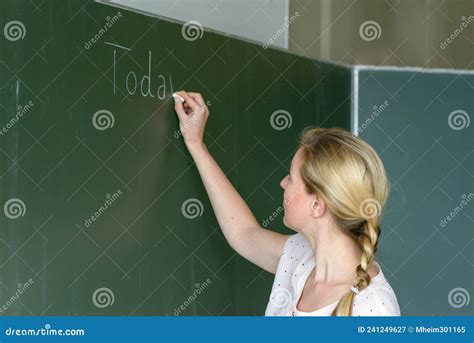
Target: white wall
{"points": [[257, 20]]}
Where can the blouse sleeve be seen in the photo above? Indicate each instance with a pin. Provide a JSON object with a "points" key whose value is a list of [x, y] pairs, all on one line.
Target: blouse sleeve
{"points": [[378, 300]]}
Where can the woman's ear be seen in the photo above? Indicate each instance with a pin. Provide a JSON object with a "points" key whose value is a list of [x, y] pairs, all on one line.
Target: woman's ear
{"points": [[317, 206]]}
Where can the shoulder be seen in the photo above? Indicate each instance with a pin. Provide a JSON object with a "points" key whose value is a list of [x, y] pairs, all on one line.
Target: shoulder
{"points": [[378, 299], [296, 257], [297, 241], [296, 248]]}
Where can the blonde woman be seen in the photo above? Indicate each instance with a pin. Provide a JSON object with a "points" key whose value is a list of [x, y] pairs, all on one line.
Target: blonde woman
{"points": [[333, 198]]}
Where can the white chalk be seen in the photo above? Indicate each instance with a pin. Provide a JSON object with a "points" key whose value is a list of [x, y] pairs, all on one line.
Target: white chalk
{"points": [[179, 97]]}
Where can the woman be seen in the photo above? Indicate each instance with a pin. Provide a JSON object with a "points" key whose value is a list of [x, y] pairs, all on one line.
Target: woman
{"points": [[333, 197]]}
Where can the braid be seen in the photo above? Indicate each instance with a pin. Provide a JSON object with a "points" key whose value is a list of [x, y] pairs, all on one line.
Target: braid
{"points": [[350, 177], [368, 240]]}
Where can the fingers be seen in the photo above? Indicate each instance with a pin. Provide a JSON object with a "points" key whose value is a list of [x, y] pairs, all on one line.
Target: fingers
{"points": [[194, 103], [198, 98], [179, 108], [189, 100]]}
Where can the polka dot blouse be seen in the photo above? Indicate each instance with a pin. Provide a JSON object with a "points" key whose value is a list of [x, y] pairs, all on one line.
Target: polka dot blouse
{"points": [[295, 265]]}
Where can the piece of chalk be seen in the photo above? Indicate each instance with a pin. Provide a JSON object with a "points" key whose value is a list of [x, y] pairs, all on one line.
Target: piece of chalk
{"points": [[179, 97]]}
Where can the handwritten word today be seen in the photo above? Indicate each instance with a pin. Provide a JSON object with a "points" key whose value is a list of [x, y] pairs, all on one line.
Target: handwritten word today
{"points": [[144, 84]]}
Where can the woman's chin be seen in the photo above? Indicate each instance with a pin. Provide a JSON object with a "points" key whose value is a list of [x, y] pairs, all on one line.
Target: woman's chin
{"points": [[288, 225]]}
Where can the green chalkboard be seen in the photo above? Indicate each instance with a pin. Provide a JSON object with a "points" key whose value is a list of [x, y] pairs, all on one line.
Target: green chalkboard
{"points": [[419, 122], [95, 177]]}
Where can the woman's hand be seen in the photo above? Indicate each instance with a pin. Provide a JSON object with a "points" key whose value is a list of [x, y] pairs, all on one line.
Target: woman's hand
{"points": [[192, 114]]}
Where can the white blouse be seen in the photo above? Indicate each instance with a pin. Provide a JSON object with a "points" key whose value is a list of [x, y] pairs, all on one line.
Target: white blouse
{"points": [[295, 265]]}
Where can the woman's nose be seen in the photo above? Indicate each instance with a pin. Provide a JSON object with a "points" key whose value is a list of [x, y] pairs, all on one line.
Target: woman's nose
{"points": [[283, 182]]}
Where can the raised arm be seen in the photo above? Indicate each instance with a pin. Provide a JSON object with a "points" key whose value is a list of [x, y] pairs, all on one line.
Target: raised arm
{"points": [[240, 227]]}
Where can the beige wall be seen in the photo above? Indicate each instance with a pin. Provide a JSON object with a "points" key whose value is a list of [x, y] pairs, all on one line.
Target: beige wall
{"points": [[411, 32]]}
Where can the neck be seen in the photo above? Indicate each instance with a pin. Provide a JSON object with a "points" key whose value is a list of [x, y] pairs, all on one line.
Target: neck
{"points": [[337, 257]]}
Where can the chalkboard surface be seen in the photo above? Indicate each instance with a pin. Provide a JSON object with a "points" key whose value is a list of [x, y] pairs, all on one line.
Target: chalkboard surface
{"points": [[104, 212], [419, 123]]}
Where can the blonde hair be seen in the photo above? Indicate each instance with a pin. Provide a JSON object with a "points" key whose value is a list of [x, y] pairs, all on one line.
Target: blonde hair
{"points": [[350, 178]]}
